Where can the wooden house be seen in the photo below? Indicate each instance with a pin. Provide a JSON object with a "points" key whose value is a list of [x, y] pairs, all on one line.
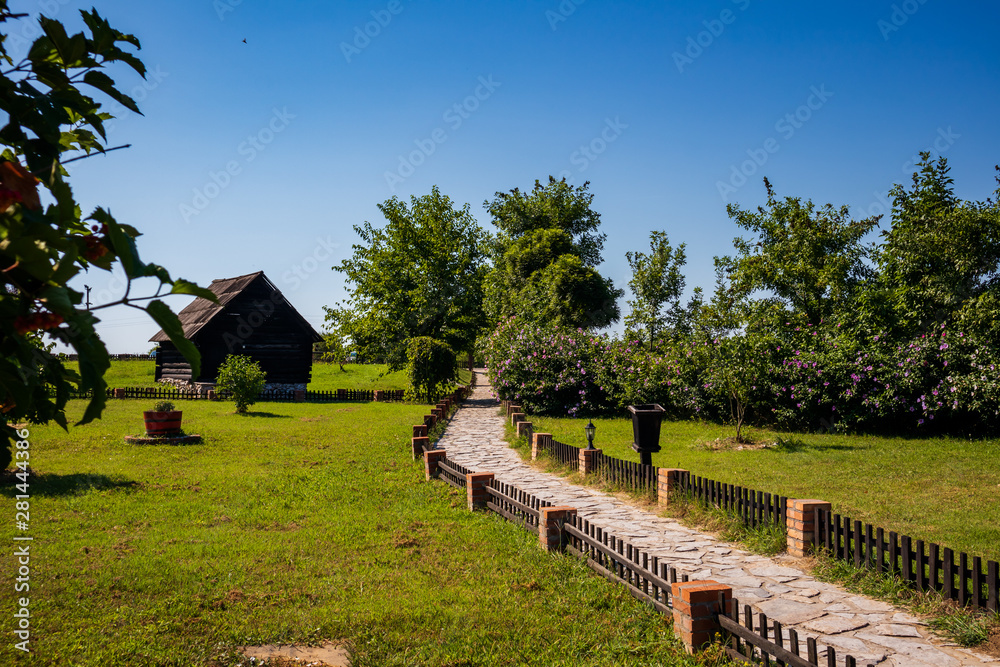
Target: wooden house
{"points": [[251, 318]]}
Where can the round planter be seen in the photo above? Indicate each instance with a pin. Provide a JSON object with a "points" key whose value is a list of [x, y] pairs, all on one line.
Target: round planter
{"points": [[162, 423]]}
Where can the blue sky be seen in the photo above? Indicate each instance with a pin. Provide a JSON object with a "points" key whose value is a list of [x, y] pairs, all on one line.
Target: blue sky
{"points": [[262, 155]]}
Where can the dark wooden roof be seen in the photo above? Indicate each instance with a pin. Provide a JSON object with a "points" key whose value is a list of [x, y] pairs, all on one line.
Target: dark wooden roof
{"points": [[200, 312]]}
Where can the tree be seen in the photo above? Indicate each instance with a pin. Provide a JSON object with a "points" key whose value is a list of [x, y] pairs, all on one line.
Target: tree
{"points": [[544, 258], [420, 275], [811, 261], [940, 260], [432, 366], [658, 283], [243, 378], [50, 122]]}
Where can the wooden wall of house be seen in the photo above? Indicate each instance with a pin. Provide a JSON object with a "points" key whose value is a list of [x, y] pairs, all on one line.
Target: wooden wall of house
{"points": [[252, 324], [171, 364]]}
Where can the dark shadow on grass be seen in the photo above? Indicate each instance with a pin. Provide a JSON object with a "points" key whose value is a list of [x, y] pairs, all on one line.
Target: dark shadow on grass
{"points": [[793, 445], [74, 484], [269, 415]]}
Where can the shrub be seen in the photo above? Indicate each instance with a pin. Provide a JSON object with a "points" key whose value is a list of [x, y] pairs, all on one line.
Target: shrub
{"points": [[163, 406], [242, 377], [432, 366]]}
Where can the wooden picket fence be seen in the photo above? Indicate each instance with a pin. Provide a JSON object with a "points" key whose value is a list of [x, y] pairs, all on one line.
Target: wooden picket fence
{"points": [[926, 566], [629, 474], [753, 507]]}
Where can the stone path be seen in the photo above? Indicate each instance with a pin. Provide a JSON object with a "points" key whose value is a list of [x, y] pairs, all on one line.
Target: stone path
{"points": [[874, 632]]}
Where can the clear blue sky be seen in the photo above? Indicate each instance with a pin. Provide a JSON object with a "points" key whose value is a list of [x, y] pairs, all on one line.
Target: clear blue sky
{"points": [[656, 104]]}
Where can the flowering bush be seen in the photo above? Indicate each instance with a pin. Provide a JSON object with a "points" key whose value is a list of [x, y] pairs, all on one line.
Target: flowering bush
{"points": [[802, 376]]}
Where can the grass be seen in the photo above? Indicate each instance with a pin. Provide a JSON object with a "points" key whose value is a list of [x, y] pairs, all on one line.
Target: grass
{"points": [[944, 490], [325, 377], [297, 523]]}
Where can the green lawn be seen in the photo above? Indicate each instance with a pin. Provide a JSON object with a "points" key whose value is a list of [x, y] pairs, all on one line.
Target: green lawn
{"points": [[945, 490], [296, 523], [325, 377]]}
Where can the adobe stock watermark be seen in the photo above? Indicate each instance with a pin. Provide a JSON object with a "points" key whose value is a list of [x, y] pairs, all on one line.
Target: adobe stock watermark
{"points": [[20, 39], [943, 141], [587, 153], [248, 150], [223, 7], [898, 17], [786, 127], [565, 9], [696, 44], [364, 34], [308, 265], [454, 116]]}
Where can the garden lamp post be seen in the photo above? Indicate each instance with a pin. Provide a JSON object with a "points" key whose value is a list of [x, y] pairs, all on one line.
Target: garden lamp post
{"points": [[590, 429]]}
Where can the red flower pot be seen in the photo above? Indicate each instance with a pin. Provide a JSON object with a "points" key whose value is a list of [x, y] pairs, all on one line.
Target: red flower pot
{"points": [[162, 423]]}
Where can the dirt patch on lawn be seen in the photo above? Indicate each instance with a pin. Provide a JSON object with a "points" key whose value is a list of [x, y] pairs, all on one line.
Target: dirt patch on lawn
{"points": [[276, 655], [731, 444], [991, 646]]}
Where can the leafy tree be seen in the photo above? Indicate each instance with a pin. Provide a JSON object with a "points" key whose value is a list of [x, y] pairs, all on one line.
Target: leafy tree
{"points": [[50, 121], [544, 258], [243, 377], [809, 260], [432, 366], [658, 283], [940, 260], [420, 275]]}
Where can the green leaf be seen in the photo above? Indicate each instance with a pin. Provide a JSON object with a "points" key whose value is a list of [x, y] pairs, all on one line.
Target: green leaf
{"points": [[106, 85], [171, 326], [182, 286]]}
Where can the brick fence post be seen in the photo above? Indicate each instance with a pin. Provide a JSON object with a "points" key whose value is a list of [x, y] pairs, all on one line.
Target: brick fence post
{"points": [[587, 457], [119, 393], [550, 526], [540, 442], [800, 524], [668, 480], [696, 612], [418, 443], [429, 421], [523, 429], [511, 409], [300, 396], [516, 417], [211, 394], [431, 459], [475, 489], [420, 430]]}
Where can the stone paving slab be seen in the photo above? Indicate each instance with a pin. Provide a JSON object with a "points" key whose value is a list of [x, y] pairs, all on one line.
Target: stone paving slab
{"points": [[872, 631]]}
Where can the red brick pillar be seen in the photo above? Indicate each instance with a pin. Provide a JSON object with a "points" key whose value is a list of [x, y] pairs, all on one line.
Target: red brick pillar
{"points": [[341, 394], [420, 430], [539, 442], [696, 612], [418, 444], [511, 409], [517, 417], [587, 457], [550, 523], [119, 393], [476, 484], [429, 421], [523, 429], [211, 394], [300, 396], [431, 459], [800, 524], [668, 480], [378, 396]]}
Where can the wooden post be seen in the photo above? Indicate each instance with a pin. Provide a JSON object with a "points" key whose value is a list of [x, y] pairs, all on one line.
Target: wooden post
{"points": [[696, 612]]}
